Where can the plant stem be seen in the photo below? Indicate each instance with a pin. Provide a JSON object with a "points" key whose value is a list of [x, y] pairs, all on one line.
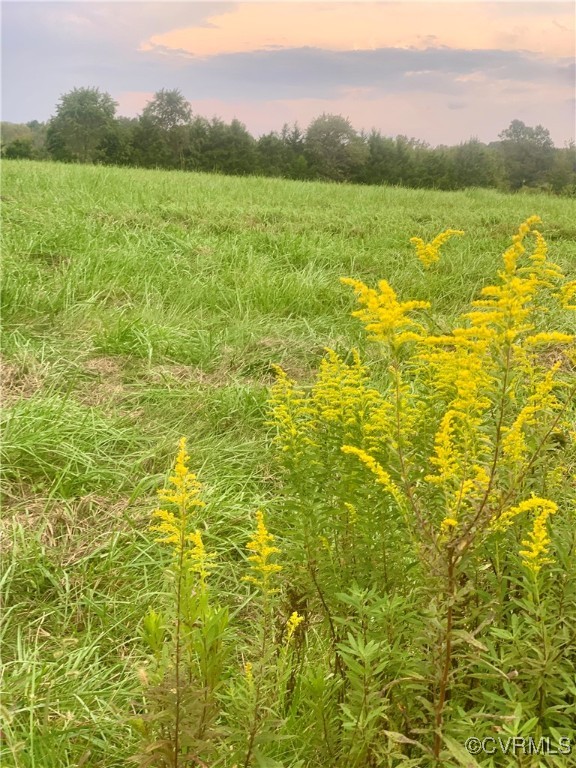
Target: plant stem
{"points": [[447, 659]]}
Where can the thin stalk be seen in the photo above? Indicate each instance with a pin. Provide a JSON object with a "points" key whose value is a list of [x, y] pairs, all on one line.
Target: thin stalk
{"points": [[180, 568], [254, 729], [447, 660]]}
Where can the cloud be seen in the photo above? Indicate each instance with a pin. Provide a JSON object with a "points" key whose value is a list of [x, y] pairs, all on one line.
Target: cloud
{"points": [[369, 25], [317, 73]]}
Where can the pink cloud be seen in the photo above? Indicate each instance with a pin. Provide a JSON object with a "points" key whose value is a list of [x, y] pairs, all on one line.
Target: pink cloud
{"points": [[366, 25]]}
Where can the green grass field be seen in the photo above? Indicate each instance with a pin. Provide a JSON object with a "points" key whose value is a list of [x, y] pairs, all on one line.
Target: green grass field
{"points": [[139, 306]]}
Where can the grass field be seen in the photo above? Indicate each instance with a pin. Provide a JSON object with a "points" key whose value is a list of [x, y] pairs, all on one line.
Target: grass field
{"points": [[139, 306]]}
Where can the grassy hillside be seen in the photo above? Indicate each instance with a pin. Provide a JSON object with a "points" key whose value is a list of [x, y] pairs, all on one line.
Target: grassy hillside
{"points": [[139, 306]]}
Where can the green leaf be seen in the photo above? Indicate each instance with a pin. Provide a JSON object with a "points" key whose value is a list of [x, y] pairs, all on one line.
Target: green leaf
{"points": [[460, 754]]}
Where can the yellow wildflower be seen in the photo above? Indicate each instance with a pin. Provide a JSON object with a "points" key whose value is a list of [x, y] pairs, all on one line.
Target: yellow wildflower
{"points": [[173, 526], [446, 454], [567, 293], [464, 371], [514, 446], [289, 413], [506, 308], [448, 523], [429, 253], [170, 527], [352, 513], [534, 557], [506, 518], [340, 394], [382, 477], [185, 485], [384, 316], [262, 568], [292, 625], [197, 558], [549, 337], [512, 254]]}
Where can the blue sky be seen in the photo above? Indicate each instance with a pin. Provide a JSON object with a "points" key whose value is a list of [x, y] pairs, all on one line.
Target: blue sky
{"points": [[441, 72]]}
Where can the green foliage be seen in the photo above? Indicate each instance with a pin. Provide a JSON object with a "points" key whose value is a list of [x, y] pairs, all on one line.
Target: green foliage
{"points": [[528, 154], [333, 149], [166, 135], [83, 118]]}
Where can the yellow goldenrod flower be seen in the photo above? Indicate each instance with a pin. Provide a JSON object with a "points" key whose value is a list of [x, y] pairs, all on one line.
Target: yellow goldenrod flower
{"points": [[382, 477], [384, 316], [292, 625], [352, 513], [290, 414], [185, 485], [197, 558], [549, 337], [340, 394], [447, 524], [173, 526], [506, 518], [534, 557], [516, 250], [429, 253], [261, 567], [170, 527], [249, 673], [507, 308], [567, 293], [464, 371], [514, 447]]}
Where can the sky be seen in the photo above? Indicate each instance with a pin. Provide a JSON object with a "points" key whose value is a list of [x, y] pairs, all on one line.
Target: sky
{"points": [[441, 72]]}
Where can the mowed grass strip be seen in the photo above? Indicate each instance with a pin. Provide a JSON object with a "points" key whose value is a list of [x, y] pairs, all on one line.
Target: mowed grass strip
{"points": [[139, 306]]}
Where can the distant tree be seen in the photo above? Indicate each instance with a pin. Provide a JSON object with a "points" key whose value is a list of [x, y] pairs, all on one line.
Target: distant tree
{"points": [[274, 156], [168, 109], [230, 148], [150, 147], [333, 149], [434, 168], [380, 159], [19, 149], [293, 137], [562, 174], [117, 145], [475, 165], [83, 116], [198, 140], [405, 171], [294, 140], [168, 116], [21, 140], [527, 154]]}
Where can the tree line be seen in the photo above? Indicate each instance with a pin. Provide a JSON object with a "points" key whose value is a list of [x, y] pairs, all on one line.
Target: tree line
{"points": [[168, 135]]}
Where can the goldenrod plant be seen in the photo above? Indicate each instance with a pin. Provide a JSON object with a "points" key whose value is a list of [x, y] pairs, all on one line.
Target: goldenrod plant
{"points": [[457, 440], [429, 253], [412, 593], [188, 642]]}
